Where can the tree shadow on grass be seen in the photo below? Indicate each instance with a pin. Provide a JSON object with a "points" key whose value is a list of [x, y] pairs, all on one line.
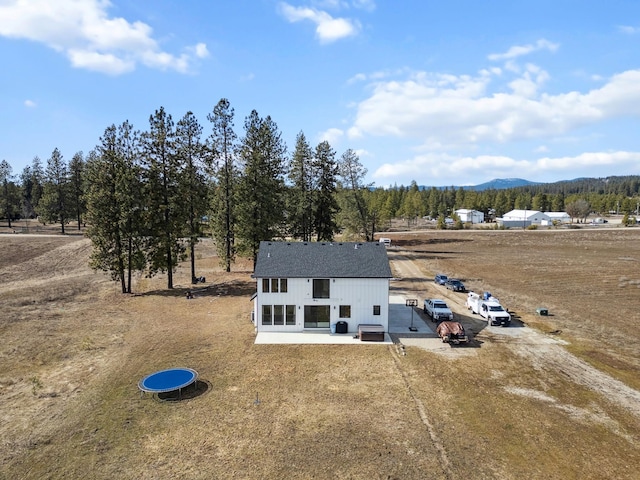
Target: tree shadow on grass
{"points": [[233, 288], [431, 241]]}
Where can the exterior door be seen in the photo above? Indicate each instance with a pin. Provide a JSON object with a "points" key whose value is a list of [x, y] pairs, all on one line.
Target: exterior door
{"points": [[317, 316]]}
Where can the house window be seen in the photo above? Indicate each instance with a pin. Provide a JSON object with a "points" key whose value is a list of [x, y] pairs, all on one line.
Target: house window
{"points": [[345, 311], [320, 288], [278, 314], [274, 285], [266, 315], [291, 315], [376, 309]]}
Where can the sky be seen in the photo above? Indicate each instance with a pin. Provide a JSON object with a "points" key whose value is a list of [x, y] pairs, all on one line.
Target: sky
{"points": [[441, 92]]}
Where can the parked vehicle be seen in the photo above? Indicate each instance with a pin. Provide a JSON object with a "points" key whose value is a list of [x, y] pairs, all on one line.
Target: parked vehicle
{"points": [[452, 332], [455, 285], [441, 279], [437, 309], [489, 308], [385, 241]]}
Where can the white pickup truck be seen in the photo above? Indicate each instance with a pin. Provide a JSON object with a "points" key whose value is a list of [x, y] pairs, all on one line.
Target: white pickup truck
{"points": [[489, 308], [438, 310]]}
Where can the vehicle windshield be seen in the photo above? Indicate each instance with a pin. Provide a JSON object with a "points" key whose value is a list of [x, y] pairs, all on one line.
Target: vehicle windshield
{"points": [[439, 305], [496, 308]]}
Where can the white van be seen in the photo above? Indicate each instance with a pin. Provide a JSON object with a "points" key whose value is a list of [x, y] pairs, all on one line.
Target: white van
{"points": [[386, 241]]}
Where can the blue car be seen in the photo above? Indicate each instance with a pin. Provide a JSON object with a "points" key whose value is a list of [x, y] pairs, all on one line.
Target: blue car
{"points": [[441, 279]]}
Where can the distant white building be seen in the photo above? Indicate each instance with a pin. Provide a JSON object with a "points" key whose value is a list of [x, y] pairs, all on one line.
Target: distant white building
{"points": [[470, 216], [523, 218], [561, 217]]}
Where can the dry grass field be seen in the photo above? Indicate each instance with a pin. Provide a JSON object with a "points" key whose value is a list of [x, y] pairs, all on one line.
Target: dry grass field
{"points": [[550, 397]]}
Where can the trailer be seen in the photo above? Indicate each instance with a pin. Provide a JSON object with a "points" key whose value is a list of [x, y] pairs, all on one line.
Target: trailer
{"points": [[452, 332]]}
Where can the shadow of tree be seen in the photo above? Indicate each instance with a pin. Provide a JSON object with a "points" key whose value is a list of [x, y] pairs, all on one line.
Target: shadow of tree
{"points": [[410, 242], [234, 288]]}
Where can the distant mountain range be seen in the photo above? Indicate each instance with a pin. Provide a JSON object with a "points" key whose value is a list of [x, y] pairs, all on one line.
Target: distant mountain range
{"points": [[502, 183], [628, 184], [496, 183]]}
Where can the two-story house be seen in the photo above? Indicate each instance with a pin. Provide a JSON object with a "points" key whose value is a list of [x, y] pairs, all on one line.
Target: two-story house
{"points": [[309, 286]]}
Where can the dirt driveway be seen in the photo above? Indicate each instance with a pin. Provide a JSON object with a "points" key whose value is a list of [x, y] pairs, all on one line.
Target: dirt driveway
{"points": [[544, 352]]}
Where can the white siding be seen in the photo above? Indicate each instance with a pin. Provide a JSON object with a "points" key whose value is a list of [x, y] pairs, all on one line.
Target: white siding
{"points": [[360, 293]]}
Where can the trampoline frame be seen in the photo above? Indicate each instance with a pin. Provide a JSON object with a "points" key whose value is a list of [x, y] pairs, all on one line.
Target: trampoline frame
{"points": [[173, 388]]}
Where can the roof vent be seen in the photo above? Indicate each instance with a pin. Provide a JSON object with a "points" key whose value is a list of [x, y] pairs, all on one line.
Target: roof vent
{"points": [[269, 255]]}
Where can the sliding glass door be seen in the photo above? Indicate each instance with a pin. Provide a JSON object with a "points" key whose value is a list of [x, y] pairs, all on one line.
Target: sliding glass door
{"points": [[317, 316]]}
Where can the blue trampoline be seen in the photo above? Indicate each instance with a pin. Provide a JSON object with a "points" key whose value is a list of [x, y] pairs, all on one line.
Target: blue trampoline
{"points": [[168, 380]]}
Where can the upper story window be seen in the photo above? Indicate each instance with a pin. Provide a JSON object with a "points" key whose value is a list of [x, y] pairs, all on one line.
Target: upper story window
{"points": [[321, 288], [274, 285]]}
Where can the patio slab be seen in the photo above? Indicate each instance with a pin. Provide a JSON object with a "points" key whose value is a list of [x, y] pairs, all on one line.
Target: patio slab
{"points": [[400, 320]]}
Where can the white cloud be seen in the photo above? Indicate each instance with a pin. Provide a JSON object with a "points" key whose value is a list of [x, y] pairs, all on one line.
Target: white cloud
{"points": [[368, 5], [328, 29], [439, 109], [628, 29], [84, 32], [29, 103], [333, 135], [520, 50], [199, 50], [446, 169]]}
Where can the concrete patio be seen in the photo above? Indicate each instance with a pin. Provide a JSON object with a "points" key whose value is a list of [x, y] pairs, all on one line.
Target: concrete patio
{"points": [[400, 319]]}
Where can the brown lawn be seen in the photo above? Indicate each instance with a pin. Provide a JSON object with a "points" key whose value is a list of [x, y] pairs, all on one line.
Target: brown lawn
{"points": [[526, 403]]}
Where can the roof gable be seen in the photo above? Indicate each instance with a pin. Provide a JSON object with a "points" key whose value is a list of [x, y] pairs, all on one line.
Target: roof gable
{"points": [[322, 260]]}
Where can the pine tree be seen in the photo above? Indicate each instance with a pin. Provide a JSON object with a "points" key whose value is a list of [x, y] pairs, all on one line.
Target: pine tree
{"points": [[104, 211], [38, 181], [9, 199], [77, 185], [326, 206], [223, 149], [260, 214], [354, 210], [113, 205], [164, 208], [300, 195], [55, 204], [190, 152], [26, 184]]}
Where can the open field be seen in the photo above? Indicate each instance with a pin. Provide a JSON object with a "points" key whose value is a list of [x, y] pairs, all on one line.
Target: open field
{"points": [[557, 400]]}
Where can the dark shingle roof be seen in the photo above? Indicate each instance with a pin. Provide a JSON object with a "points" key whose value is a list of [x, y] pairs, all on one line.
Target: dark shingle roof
{"points": [[322, 260]]}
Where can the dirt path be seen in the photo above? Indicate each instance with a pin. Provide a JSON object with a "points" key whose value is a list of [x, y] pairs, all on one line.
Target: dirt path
{"points": [[543, 352]]}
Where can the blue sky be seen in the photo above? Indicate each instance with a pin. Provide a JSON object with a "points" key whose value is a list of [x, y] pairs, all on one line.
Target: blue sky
{"points": [[454, 92]]}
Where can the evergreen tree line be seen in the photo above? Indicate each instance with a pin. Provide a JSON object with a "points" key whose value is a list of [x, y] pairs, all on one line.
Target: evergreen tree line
{"points": [[147, 197], [579, 198]]}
